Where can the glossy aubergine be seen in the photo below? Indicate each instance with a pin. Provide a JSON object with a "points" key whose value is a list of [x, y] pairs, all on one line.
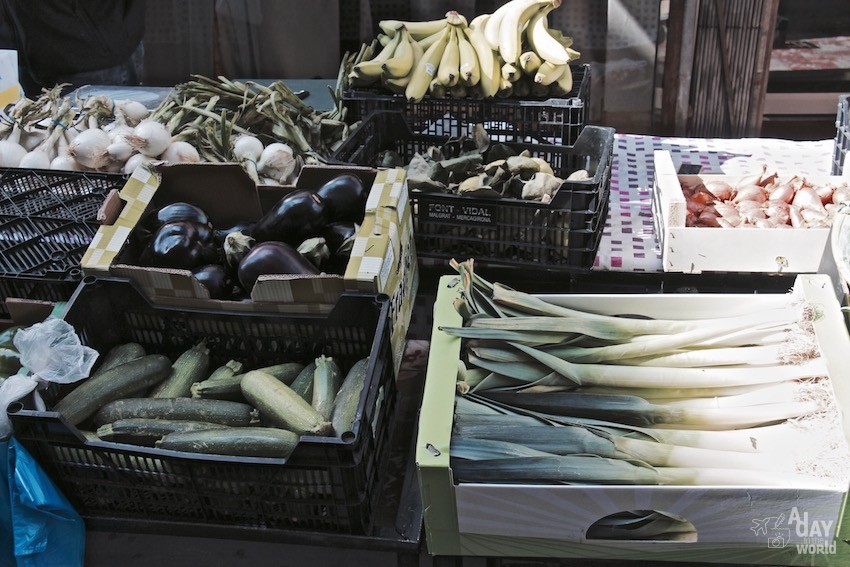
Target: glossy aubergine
{"points": [[216, 279], [272, 258], [295, 218], [345, 198], [337, 233], [243, 227], [179, 244], [174, 212]]}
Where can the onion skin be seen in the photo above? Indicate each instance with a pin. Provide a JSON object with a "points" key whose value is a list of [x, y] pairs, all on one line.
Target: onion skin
{"points": [[272, 258]]}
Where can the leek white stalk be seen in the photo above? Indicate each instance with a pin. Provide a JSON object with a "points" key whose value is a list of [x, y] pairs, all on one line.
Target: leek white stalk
{"points": [[11, 151]]}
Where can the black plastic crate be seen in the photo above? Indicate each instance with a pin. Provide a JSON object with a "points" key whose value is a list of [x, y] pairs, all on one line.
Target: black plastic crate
{"points": [[549, 121], [47, 221], [327, 484], [563, 234], [842, 135]]}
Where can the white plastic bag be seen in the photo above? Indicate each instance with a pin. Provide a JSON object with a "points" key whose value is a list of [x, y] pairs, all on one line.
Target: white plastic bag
{"points": [[50, 352]]}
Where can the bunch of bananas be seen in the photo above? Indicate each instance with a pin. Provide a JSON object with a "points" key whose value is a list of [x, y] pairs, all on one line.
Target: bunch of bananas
{"points": [[511, 52]]}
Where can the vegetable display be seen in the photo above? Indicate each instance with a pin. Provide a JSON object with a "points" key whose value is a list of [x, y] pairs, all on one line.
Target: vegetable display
{"points": [[305, 233], [511, 52], [268, 129], [475, 166], [549, 394], [763, 201], [144, 399]]}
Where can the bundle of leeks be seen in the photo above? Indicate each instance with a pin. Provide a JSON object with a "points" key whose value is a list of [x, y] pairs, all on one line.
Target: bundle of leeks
{"points": [[556, 395]]}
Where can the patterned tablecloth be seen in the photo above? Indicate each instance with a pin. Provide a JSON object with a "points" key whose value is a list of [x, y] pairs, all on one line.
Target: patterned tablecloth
{"points": [[629, 242]]}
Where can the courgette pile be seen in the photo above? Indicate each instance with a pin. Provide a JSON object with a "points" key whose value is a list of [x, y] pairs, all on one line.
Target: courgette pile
{"points": [[145, 399]]}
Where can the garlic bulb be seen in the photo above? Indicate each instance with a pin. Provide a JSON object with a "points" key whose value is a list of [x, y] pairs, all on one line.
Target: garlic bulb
{"points": [[247, 147], [181, 152], [277, 161]]}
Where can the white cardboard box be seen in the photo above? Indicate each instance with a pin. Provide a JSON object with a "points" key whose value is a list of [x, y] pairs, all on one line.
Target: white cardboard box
{"points": [[699, 249]]}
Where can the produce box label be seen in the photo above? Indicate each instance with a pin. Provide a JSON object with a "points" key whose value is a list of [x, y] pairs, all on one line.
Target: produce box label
{"points": [[479, 215]]}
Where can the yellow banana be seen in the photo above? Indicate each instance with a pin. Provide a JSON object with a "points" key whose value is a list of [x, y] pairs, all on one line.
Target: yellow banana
{"points": [[564, 83], [510, 28], [384, 39], [509, 72], [548, 73], [478, 22], [397, 86], [573, 54], [492, 24], [417, 30], [401, 62], [447, 74], [424, 71], [427, 42], [470, 72], [546, 46], [374, 67], [490, 69], [355, 79], [506, 89], [529, 62], [437, 89], [455, 19]]}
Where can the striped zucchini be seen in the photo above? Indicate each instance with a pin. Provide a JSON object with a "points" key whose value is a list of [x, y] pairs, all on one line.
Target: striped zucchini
{"points": [[242, 442], [128, 379], [190, 367], [146, 432], [187, 409], [326, 382], [120, 354], [228, 388], [303, 384], [348, 398], [282, 406]]}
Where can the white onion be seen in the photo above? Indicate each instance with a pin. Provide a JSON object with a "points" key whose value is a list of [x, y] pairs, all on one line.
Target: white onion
{"points": [[65, 162], [121, 130], [133, 111], [135, 161], [31, 140], [247, 147], [119, 150], [181, 152], [89, 148], [36, 159], [277, 161], [11, 153], [149, 138]]}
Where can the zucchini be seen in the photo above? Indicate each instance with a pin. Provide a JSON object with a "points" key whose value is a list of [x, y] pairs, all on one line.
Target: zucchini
{"points": [[326, 382], [119, 355], [303, 384], [187, 409], [242, 442], [229, 388], [122, 381], [348, 398], [142, 431], [10, 361], [190, 367], [281, 406], [226, 371]]}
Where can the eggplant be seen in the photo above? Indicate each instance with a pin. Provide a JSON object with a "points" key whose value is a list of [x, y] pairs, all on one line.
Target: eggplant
{"points": [[179, 245], [216, 279], [173, 213], [235, 247], [295, 218], [345, 198], [244, 227], [272, 258], [337, 233]]}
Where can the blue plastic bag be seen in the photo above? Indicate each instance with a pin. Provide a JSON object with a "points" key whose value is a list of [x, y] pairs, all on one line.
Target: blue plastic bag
{"points": [[38, 526]]}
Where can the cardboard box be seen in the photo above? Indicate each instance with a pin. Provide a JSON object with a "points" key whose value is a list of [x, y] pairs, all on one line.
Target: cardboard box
{"points": [[229, 196], [699, 249], [525, 520]]}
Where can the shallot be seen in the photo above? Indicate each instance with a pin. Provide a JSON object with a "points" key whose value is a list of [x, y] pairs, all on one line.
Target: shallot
{"points": [[807, 198]]}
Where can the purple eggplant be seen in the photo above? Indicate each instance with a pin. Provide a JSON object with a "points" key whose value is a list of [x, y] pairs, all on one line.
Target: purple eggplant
{"points": [[179, 244], [244, 227], [174, 212], [216, 279], [345, 198], [295, 218], [337, 233], [272, 258]]}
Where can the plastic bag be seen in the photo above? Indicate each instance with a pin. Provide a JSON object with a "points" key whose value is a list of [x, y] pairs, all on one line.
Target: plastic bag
{"points": [[51, 351], [38, 526]]}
